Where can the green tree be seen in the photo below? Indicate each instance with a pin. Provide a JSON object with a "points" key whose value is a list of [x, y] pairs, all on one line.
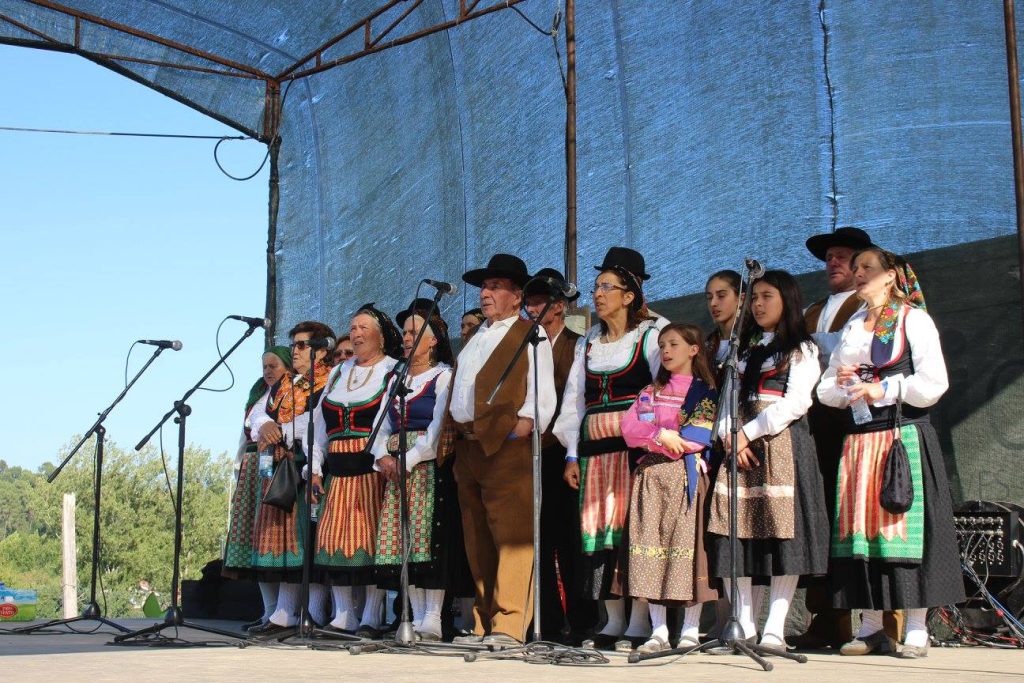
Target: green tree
{"points": [[136, 524]]}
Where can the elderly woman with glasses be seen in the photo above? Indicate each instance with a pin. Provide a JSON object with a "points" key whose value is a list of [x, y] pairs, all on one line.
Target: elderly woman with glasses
{"points": [[614, 361], [280, 426]]}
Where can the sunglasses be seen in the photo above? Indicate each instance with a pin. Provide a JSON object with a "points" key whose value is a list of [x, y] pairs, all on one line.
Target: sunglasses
{"points": [[301, 345]]}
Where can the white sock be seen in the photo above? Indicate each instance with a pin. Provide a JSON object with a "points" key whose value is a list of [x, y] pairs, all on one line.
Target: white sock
{"points": [[344, 610], [690, 629], [371, 610], [616, 617], [639, 620], [432, 600], [756, 602], [268, 591], [870, 622], [659, 621], [743, 597], [466, 620], [318, 603], [783, 588], [390, 598], [418, 605], [917, 627], [287, 605]]}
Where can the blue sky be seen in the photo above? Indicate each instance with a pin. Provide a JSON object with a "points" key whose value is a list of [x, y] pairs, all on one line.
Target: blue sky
{"points": [[107, 240]]}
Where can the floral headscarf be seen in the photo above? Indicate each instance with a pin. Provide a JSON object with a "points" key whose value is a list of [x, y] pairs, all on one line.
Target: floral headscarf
{"points": [[885, 328]]}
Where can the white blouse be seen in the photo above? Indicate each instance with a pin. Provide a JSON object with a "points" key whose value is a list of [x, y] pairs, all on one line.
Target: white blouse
{"points": [[804, 372], [603, 356], [260, 407], [425, 447], [921, 389], [366, 381]]}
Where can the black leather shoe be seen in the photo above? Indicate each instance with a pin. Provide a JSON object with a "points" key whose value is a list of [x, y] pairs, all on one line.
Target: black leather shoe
{"points": [[369, 632], [252, 624], [267, 629]]}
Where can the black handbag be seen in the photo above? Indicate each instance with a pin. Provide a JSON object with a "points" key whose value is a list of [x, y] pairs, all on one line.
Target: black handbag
{"points": [[284, 486], [897, 494]]}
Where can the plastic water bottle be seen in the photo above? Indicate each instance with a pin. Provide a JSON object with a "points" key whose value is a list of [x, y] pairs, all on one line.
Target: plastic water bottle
{"points": [[645, 409], [267, 463], [859, 408]]}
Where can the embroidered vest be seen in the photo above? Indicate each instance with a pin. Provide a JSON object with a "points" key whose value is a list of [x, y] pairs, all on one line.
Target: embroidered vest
{"points": [[419, 409], [884, 417], [350, 421]]}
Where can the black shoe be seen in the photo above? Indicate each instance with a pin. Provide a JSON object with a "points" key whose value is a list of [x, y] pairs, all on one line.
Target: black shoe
{"points": [[266, 630], [369, 632], [252, 624]]}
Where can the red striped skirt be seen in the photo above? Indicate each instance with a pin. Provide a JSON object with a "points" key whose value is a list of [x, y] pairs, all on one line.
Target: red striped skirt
{"points": [[347, 532]]}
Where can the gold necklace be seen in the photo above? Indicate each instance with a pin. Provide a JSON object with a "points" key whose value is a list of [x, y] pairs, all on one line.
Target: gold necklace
{"points": [[351, 376]]}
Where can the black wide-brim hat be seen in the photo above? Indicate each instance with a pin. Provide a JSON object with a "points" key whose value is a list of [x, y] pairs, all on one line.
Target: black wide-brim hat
{"points": [[500, 265], [625, 259], [541, 287], [847, 236]]}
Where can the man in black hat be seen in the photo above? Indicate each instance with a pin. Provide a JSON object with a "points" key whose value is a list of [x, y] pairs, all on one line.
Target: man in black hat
{"points": [[825, 322], [559, 543], [493, 463]]}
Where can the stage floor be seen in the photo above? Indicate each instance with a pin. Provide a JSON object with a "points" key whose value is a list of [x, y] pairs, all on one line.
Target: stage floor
{"points": [[78, 657]]}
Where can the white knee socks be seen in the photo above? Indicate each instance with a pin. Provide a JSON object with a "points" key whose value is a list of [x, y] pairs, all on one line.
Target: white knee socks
{"points": [[616, 623], [690, 630], [782, 588], [418, 604], [917, 627], [430, 622], [659, 621], [372, 608], [286, 613], [639, 620], [318, 608], [344, 609], [870, 622], [744, 611], [268, 591]]}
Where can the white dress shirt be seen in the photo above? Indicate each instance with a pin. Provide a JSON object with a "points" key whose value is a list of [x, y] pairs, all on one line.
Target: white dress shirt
{"points": [[476, 352], [828, 340], [603, 356], [921, 389], [424, 448]]}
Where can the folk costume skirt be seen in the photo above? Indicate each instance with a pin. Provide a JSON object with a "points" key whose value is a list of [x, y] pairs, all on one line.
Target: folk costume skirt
{"points": [[604, 505], [783, 526], [238, 548], [886, 561], [279, 537], [664, 557], [346, 540], [437, 553]]}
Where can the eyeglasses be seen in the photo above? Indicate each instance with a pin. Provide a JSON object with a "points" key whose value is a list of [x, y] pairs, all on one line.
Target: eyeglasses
{"points": [[606, 287], [346, 353], [301, 345]]}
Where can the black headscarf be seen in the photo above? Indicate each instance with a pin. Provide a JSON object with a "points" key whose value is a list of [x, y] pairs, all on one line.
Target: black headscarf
{"points": [[392, 337]]}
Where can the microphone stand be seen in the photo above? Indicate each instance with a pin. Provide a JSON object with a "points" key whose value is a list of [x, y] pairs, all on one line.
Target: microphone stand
{"points": [[307, 628], [92, 610], [538, 650], [732, 639], [173, 618]]}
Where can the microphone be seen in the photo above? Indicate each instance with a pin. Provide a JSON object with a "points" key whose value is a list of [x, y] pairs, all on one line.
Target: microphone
{"points": [[567, 289], [252, 322], [443, 287], [755, 268], [323, 343], [162, 343]]}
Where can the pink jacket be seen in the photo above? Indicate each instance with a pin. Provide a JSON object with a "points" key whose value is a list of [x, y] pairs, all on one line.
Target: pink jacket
{"points": [[667, 405]]}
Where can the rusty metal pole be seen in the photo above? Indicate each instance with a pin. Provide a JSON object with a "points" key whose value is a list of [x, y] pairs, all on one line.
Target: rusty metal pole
{"points": [[570, 141], [272, 130], [1013, 74]]}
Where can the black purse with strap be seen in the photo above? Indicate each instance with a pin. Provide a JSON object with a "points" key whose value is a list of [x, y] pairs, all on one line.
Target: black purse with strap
{"points": [[897, 494]]}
